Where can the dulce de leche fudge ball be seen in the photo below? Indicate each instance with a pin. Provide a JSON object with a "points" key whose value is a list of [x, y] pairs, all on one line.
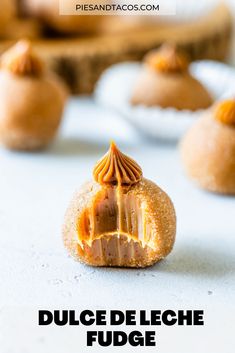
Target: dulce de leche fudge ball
{"points": [[165, 81], [31, 100], [48, 11], [120, 218], [208, 149]]}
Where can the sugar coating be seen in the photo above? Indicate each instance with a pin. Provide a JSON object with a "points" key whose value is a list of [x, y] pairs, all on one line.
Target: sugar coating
{"points": [[159, 216], [208, 155]]}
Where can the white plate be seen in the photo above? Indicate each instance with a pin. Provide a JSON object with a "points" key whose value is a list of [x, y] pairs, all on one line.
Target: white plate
{"points": [[115, 87]]}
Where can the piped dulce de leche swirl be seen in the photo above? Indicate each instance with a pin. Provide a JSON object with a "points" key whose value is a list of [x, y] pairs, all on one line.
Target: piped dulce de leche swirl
{"points": [[167, 60], [115, 168], [22, 61], [225, 112]]}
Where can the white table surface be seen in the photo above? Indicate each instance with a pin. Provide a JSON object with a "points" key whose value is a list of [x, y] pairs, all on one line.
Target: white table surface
{"points": [[36, 271]]}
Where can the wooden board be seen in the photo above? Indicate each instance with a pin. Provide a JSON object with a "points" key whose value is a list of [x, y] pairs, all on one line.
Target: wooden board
{"points": [[80, 61]]}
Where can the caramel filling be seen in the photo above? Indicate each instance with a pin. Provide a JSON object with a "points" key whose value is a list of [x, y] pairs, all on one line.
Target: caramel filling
{"points": [[20, 60], [115, 168], [225, 112], [167, 60], [115, 225]]}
